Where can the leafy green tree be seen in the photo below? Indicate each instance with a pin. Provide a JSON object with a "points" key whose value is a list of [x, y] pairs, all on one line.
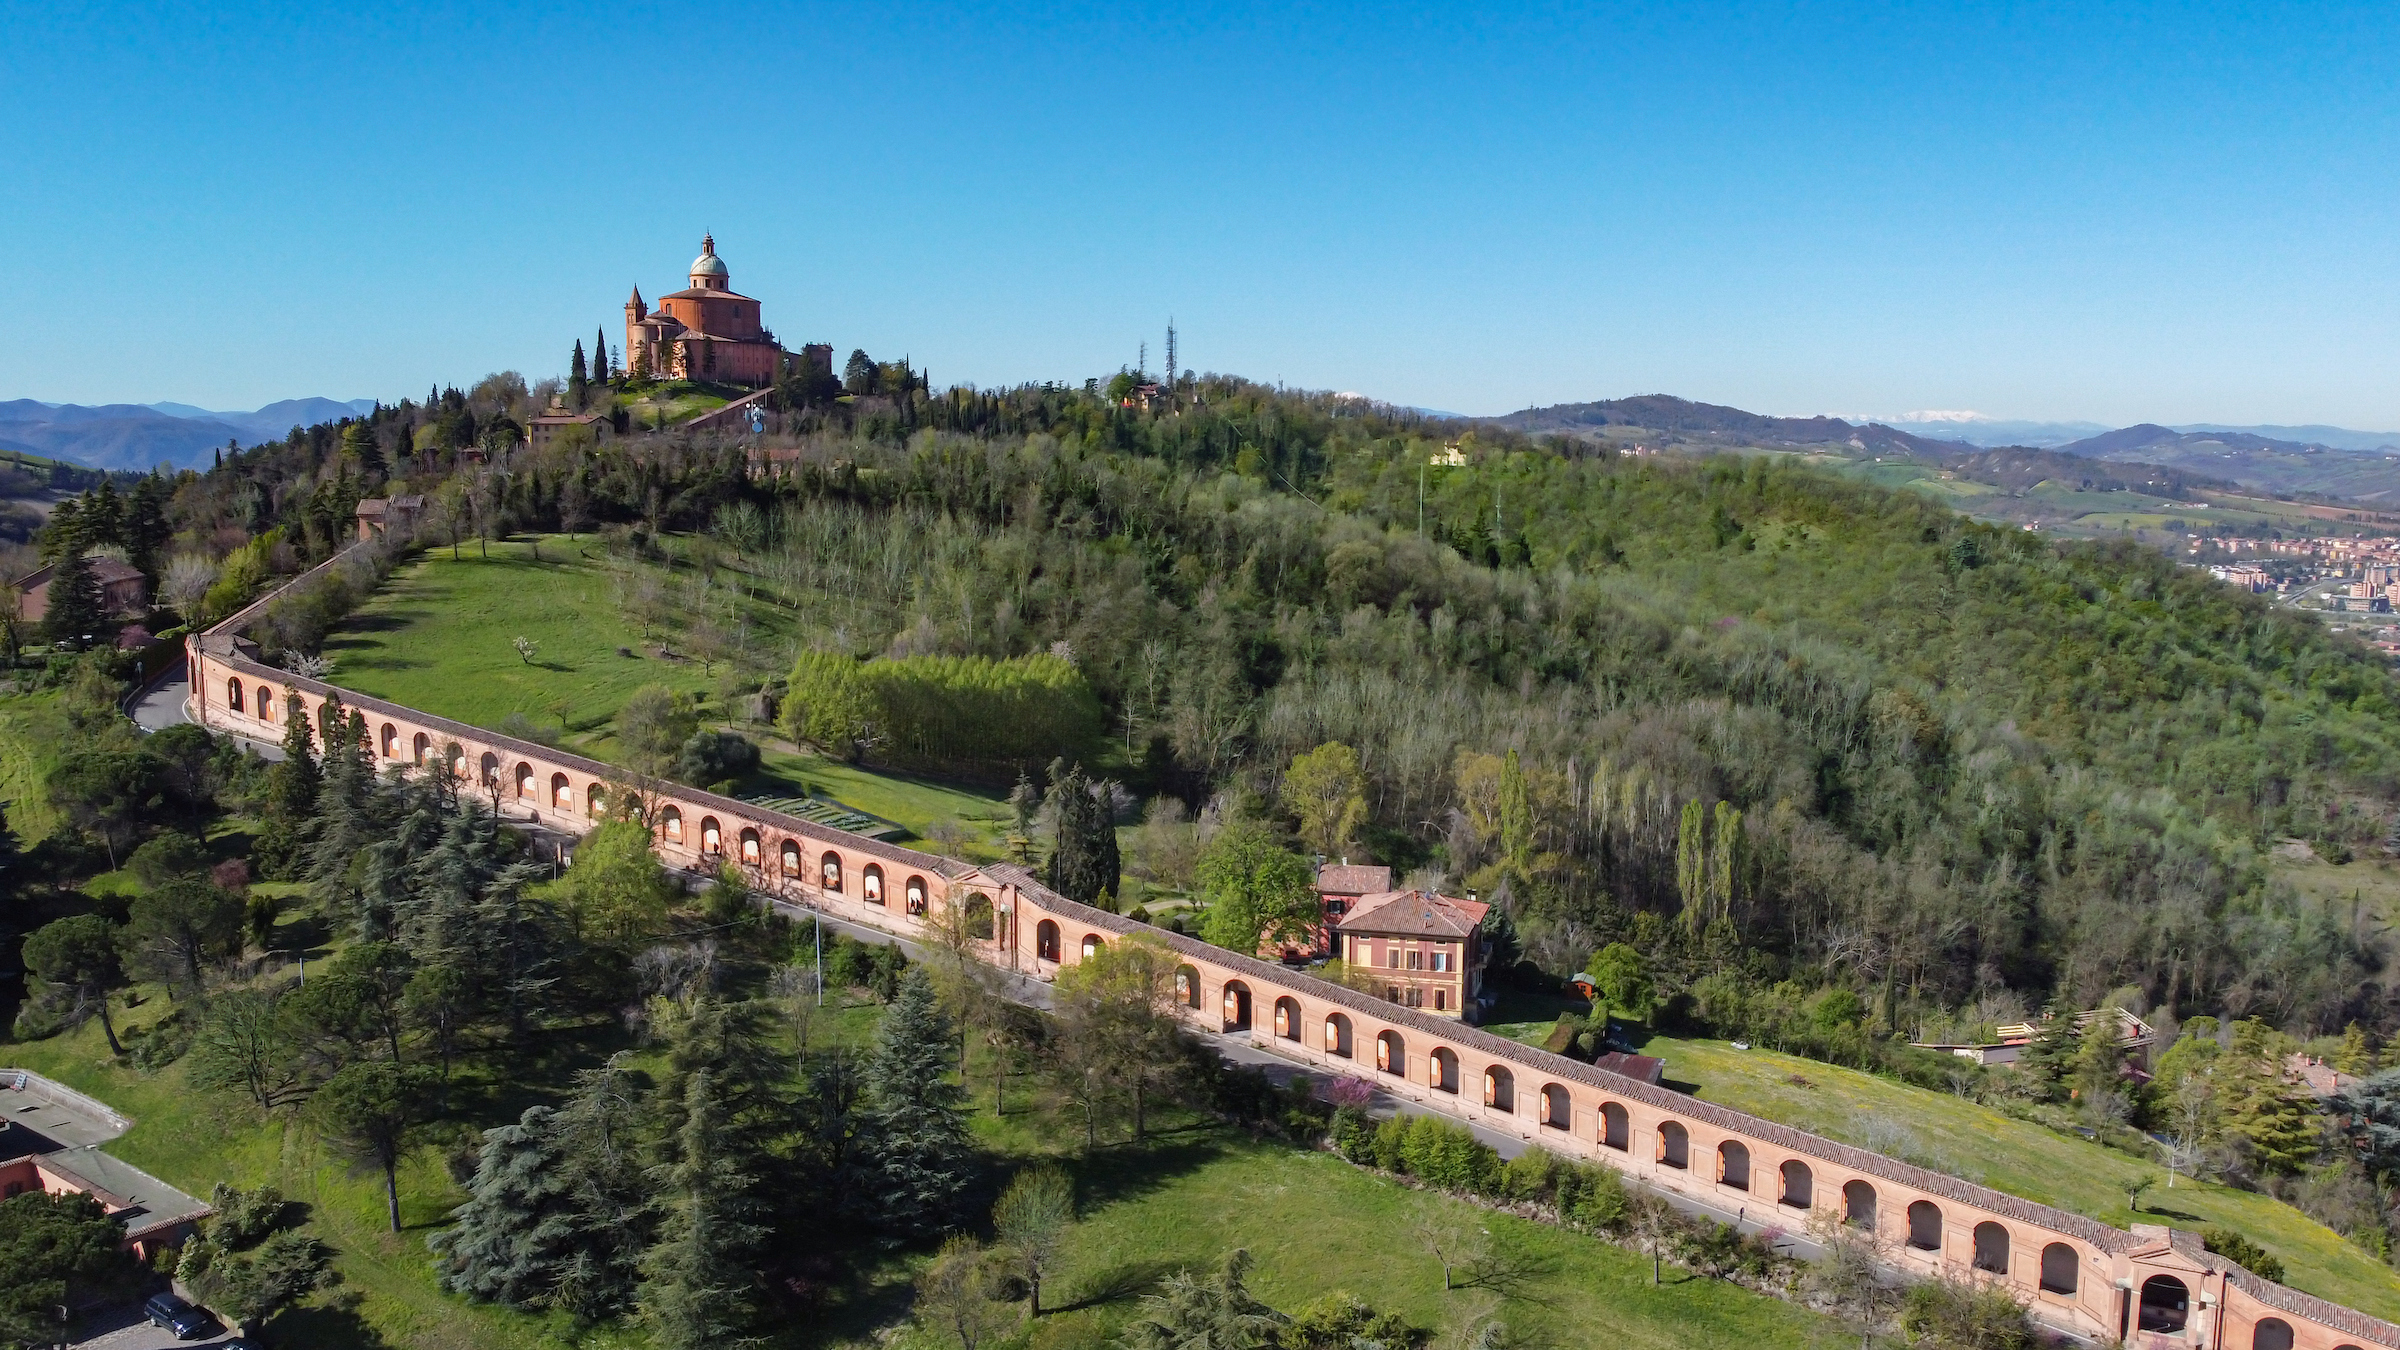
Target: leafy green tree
{"points": [[952, 1297], [2268, 1115], [652, 727], [696, 1289], [371, 1111], [167, 857], [1118, 1032], [1084, 864], [247, 1264], [1326, 792], [923, 1158], [170, 932], [56, 1252], [859, 372], [109, 792], [1031, 1220], [77, 957], [1258, 890], [615, 889], [1621, 978], [244, 1044]]}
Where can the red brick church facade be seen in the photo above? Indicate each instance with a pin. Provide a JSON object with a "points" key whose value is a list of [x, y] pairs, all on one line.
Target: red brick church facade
{"points": [[708, 332]]}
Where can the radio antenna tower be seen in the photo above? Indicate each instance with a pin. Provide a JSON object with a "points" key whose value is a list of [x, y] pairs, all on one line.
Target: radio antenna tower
{"points": [[1170, 351]]}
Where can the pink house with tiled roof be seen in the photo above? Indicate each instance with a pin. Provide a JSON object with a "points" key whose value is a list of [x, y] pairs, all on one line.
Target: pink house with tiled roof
{"points": [[1424, 949]]}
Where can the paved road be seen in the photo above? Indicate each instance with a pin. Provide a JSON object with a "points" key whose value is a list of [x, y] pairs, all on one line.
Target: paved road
{"points": [[160, 705]]}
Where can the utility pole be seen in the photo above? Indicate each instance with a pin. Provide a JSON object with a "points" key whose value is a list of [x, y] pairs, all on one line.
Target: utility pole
{"points": [[819, 925], [1421, 498]]}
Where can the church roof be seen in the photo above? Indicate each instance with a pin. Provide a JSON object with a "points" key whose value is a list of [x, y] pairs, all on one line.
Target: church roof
{"points": [[702, 293]]}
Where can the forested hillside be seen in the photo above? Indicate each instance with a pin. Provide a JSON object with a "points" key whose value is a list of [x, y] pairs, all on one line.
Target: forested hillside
{"points": [[1764, 722]]}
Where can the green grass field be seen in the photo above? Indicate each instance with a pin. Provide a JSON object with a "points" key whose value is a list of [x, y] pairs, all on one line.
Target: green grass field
{"points": [[31, 730], [1974, 1142]]}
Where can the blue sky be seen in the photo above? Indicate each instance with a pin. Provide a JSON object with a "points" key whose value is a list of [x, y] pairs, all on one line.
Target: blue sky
{"points": [[2116, 212]]}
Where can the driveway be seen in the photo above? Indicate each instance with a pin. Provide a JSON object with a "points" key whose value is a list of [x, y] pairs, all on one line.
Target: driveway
{"points": [[127, 1329]]}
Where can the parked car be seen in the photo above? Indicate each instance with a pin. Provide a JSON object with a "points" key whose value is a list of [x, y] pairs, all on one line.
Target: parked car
{"points": [[172, 1313]]}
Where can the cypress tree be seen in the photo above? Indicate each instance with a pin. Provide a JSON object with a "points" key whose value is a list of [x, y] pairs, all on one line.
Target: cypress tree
{"points": [[916, 1122], [601, 370], [292, 788], [1084, 862]]}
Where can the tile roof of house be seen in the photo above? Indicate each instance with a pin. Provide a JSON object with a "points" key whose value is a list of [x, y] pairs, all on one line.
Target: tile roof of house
{"points": [[1415, 914], [1353, 879], [105, 570]]}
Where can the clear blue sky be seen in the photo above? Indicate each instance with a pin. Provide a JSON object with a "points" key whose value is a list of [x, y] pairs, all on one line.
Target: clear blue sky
{"points": [[2120, 212]]}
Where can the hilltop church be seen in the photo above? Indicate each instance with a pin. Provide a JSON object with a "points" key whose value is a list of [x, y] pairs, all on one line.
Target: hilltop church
{"points": [[707, 332]]}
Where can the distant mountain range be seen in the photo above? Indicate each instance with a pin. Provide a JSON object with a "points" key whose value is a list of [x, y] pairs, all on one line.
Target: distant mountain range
{"points": [[2333, 462], [142, 436]]}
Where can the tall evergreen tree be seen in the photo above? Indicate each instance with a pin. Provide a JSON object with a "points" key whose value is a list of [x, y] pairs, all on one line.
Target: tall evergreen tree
{"points": [[696, 1289], [601, 370], [76, 614], [916, 1118], [1084, 862], [516, 1233], [292, 787]]}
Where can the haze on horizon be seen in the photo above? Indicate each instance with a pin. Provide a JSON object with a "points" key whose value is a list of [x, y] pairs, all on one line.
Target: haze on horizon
{"points": [[2167, 215]]}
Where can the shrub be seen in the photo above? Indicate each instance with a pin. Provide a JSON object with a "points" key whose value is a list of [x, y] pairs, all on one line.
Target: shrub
{"points": [[1951, 1315], [2242, 1252]]}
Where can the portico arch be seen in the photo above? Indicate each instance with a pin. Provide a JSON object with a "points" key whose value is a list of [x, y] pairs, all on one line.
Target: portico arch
{"points": [[1391, 1053], [2061, 1271], [389, 741], [712, 837], [870, 884], [1858, 1205], [420, 749], [1337, 1035], [1045, 940], [915, 895], [753, 850], [562, 793], [1733, 1164], [1092, 944], [1616, 1128], [1441, 1070], [829, 872], [2166, 1305], [1187, 986], [233, 696], [524, 781], [1237, 1006], [791, 858], [1287, 1019], [1799, 1185], [670, 824], [1500, 1090], [491, 769], [1674, 1145], [2271, 1333], [1558, 1109], [1925, 1226], [595, 801], [1991, 1248]]}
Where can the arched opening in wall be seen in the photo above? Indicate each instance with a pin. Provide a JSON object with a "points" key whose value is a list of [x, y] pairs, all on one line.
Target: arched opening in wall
{"points": [[829, 873], [1187, 986], [1858, 1205], [1925, 1226], [2271, 1333], [1237, 1006], [420, 750], [979, 916], [1991, 1248], [595, 801], [562, 792], [2061, 1271], [753, 848], [491, 770], [1287, 1019], [1616, 1128], [870, 884], [791, 858], [916, 894], [1045, 941], [524, 782], [458, 761], [712, 836], [1500, 1089], [1733, 1165], [1092, 945], [389, 739], [1337, 1035], [233, 696], [1558, 1109], [2166, 1305], [670, 825], [1799, 1185], [1674, 1145], [1391, 1053], [1441, 1070]]}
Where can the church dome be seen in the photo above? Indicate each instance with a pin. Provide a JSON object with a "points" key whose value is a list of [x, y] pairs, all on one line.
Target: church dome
{"points": [[708, 264]]}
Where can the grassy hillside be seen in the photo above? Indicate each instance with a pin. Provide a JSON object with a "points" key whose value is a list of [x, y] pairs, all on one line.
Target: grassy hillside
{"points": [[31, 731]]}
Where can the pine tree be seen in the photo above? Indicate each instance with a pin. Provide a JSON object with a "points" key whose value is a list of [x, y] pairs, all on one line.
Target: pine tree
{"points": [[696, 1291], [2047, 1062], [76, 613], [602, 371], [292, 788], [514, 1235], [1084, 863], [916, 1122]]}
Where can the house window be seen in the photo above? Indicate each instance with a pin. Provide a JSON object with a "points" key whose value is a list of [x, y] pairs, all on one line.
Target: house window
{"points": [[1416, 960], [1441, 960], [1416, 997], [1392, 957], [1439, 998], [1391, 993]]}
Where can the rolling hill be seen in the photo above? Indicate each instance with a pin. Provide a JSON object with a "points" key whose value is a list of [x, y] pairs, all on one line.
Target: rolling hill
{"points": [[139, 436]]}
